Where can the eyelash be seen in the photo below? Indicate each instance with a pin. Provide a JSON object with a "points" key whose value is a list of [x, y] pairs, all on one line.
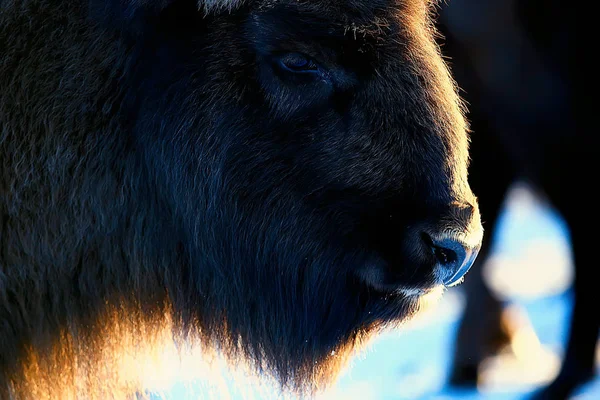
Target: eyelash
{"points": [[298, 63], [301, 68]]}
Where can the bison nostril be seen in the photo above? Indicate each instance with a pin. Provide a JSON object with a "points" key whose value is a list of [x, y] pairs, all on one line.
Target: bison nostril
{"points": [[453, 256], [444, 256], [445, 251]]}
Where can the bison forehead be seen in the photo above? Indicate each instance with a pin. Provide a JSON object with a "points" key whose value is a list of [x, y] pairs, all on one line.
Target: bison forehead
{"points": [[379, 32], [364, 14]]}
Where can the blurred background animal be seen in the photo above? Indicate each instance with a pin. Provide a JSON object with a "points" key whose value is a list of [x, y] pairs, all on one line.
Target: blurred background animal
{"points": [[515, 62]]}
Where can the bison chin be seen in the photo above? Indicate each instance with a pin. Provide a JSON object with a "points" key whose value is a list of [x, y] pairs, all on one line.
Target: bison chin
{"points": [[132, 352]]}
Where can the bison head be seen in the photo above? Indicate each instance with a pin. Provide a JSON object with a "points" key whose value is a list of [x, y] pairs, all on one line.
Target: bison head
{"points": [[289, 175], [312, 157]]}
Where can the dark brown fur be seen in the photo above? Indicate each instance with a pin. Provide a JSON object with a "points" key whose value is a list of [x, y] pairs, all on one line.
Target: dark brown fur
{"points": [[156, 176]]}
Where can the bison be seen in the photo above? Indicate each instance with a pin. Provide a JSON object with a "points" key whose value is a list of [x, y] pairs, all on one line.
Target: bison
{"points": [[278, 180]]}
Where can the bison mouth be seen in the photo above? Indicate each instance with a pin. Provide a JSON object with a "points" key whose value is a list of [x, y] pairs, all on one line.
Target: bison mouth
{"points": [[376, 277], [385, 305], [436, 263]]}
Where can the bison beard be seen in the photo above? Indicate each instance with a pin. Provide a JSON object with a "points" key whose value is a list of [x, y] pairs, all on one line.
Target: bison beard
{"points": [[277, 180]]}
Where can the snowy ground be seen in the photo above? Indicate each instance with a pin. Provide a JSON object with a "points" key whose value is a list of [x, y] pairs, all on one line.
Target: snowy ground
{"points": [[413, 363]]}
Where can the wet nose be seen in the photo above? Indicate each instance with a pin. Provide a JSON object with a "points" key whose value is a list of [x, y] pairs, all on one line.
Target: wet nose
{"points": [[453, 256]]}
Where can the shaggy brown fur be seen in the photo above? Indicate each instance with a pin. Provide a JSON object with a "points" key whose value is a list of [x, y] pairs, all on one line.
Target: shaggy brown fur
{"points": [[169, 174]]}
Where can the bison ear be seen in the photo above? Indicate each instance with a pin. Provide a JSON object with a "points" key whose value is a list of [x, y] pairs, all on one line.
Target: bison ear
{"points": [[130, 14]]}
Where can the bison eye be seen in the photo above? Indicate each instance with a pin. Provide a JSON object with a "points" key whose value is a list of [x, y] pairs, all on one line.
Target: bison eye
{"points": [[300, 69], [298, 63]]}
